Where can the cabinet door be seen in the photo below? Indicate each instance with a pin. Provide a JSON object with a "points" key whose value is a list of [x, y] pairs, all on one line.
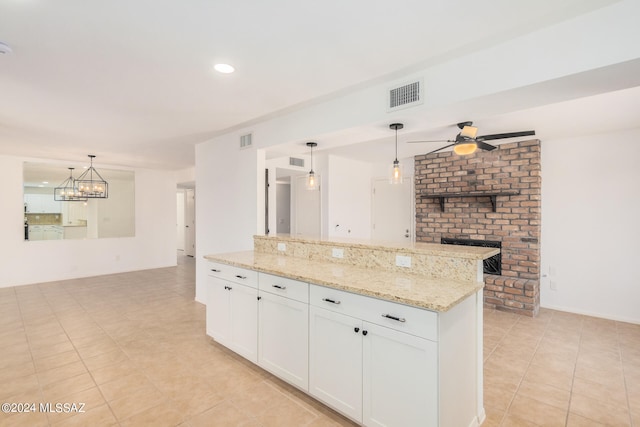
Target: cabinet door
{"points": [[400, 380], [218, 311], [244, 321], [335, 364], [283, 338]]}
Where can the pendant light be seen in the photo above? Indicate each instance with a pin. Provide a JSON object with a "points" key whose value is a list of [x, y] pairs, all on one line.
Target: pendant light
{"points": [[466, 141], [396, 170], [91, 185], [68, 191], [312, 183]]}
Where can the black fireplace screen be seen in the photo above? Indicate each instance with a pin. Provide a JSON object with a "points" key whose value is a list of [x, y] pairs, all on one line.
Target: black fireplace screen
{"points": [[492, 265]]}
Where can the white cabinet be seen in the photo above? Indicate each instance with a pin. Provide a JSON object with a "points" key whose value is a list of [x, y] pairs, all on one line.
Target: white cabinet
{"points": [[378, 362], [232, 309], [42, 203], [373, 374], [399, 378], [335, 363], [52, 232], [36, 232], [283, 333], [74, 212], [283, 328]]}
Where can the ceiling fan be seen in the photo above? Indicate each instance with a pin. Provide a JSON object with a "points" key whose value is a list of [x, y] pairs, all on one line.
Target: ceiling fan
{"points": [[467, 142]]}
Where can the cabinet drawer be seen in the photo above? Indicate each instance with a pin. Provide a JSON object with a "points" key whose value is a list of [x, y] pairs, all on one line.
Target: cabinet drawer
{"points": [[400, 317], [233, 274], [282, 286]]}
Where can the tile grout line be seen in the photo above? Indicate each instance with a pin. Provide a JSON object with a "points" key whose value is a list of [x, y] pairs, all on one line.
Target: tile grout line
{"points": [[573, 375], [515, 393], [33, 361], [624, 375], [71, 296]]}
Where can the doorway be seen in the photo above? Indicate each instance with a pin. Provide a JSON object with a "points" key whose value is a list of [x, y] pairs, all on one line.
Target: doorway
{"points": [[186, 221]]}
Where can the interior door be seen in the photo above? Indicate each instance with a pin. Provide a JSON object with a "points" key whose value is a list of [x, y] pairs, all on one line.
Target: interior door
{"points": [[392, 211], [190, 223]]}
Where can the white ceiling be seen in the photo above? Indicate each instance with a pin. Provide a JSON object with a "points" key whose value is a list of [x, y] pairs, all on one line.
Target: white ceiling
{"points": [[132, 81]]}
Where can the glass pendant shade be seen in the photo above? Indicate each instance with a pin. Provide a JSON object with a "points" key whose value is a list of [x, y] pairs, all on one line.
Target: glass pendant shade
{"points": [[469, 131], [68, 191], [395, 176], [396, 173], [91, 185], [312, 181]]}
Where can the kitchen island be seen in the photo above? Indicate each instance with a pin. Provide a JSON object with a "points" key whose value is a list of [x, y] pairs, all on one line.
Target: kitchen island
{"points": [[384, 334]]}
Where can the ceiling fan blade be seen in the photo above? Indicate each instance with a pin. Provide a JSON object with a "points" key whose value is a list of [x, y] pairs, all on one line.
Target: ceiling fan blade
{"points": [[505, 135], [441, 148], [485, 146], [435, 140]]}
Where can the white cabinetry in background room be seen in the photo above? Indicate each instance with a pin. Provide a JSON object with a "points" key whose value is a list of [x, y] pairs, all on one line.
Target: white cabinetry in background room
{"points": [[283, 328], [232, 309], [36, 232], [74, 212], [377, 375], [53, 232], [42, 203]]}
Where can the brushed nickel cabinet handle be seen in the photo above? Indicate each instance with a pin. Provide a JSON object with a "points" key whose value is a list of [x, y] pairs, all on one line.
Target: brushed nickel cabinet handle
{"points": [[397, 319]]}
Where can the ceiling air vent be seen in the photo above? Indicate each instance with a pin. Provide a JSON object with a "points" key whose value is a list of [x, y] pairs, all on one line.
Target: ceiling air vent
{"points": [[245, 141], [405, 96], [296, 162]]}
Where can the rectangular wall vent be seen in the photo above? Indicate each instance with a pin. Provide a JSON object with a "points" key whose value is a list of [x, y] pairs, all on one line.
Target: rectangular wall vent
{"points": [[407, 95], [245, 141], [296, 162]]}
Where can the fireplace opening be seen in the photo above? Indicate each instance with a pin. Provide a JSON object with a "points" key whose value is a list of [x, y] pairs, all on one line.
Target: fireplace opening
{"points": [[492, 265]]}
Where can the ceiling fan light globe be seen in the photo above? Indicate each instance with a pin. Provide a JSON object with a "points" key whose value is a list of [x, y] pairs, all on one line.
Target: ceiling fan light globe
{"points": [[469, 131], [465, 148]]}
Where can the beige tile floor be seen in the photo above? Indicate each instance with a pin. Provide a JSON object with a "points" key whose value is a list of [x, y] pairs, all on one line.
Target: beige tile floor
{"points": [[132, 348]]}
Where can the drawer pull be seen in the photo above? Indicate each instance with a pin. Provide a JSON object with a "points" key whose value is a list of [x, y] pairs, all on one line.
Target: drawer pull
{"points": [[331, 301], [215, 270], [241, 277], [279, 287], [397, 319], [228, 288]]}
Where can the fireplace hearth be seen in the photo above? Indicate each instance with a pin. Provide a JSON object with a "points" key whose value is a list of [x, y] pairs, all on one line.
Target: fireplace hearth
{"points": [[492, 265]]}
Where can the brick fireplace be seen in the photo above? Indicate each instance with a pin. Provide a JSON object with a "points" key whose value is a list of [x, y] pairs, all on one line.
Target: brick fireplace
{"points": [[492, 196]]}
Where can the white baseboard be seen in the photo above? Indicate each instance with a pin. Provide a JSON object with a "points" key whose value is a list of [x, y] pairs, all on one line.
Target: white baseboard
{"points": [[592, 314]]}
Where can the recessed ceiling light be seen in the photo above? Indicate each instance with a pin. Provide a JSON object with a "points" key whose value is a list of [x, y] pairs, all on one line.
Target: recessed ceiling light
{"points": [[45, 182], [224, 68]]}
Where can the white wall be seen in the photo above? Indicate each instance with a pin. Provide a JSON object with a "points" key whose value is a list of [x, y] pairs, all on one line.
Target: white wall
{"points": [[591, 225], [116, 214], [49, 260], [228, 215]]}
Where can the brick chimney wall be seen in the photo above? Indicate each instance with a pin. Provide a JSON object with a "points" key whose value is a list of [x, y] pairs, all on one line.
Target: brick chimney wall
{"points": [[515, 223]]}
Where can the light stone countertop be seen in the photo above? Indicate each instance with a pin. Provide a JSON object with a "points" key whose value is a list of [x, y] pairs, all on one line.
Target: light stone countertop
{"points": [[411, 289], [436, 249]]}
